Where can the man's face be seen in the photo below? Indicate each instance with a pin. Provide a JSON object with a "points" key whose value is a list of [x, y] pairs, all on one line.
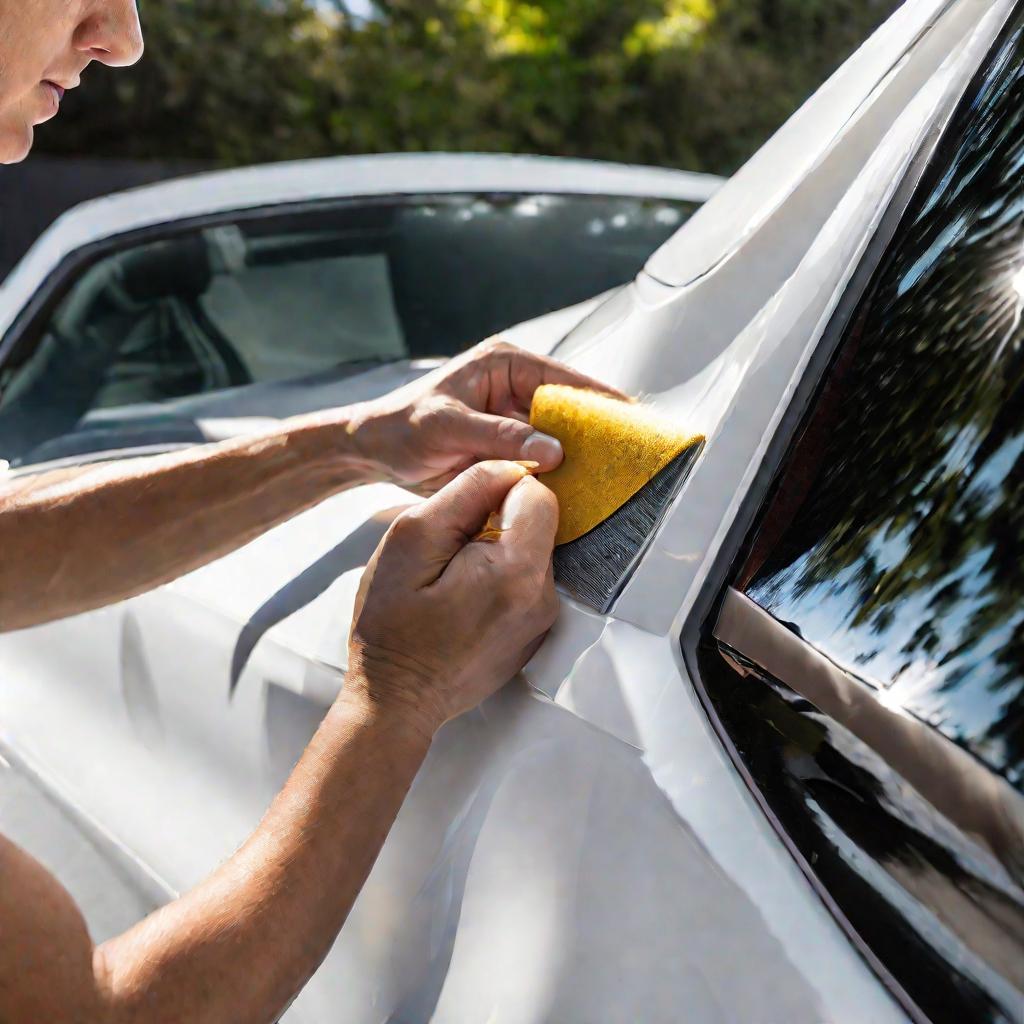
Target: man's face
{"points": [[45, 45]]}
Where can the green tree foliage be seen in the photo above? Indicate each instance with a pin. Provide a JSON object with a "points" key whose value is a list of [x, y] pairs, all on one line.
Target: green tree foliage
{"points": [[690, 83], [227, 81]]}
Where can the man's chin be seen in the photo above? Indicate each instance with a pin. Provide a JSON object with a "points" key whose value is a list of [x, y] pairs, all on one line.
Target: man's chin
{"points": [[15, 142]]}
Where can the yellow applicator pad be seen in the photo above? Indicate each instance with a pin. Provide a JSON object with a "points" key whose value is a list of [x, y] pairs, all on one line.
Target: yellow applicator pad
{"points": [[612, 449]]}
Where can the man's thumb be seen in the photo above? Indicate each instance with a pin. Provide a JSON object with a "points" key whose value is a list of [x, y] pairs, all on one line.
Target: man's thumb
{"points": [[484, 436]]}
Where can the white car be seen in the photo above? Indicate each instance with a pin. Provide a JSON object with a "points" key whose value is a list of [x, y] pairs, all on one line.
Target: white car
{"points": [[773, 772]]}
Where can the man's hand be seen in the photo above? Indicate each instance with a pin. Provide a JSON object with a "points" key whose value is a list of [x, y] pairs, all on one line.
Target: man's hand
{"points": [[442, 620], [476, 406]]}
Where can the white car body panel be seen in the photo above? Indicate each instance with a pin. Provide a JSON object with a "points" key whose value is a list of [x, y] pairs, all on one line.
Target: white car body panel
{"points": [[580, 849]]}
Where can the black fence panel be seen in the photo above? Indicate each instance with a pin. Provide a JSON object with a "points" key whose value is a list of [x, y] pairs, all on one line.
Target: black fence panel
{"points": [[35, 193]]}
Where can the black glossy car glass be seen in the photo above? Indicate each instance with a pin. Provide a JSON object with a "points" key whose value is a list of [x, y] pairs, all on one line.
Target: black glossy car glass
{"points": [[320, 295], [894, 544]]}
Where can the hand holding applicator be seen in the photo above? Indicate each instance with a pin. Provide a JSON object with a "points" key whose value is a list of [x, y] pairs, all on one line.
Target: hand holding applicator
{"points": [[623, 465]]}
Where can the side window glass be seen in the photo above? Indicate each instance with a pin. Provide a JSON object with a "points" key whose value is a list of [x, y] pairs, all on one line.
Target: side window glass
{"points": [[276, 312], [870, 657]]}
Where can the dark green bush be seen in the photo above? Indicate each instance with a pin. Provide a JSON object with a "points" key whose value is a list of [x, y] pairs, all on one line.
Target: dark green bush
{"points": [[686, 83]]}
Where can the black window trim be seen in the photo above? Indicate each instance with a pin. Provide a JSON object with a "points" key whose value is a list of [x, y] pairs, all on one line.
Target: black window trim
{"points": [[729, 558]]}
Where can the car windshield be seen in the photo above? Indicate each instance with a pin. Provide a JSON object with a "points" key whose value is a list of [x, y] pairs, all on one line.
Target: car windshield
{"points": [[275, 312]]}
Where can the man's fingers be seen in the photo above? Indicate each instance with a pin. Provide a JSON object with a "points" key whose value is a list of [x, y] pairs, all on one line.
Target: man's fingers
{"points": [[464, 505], [514, 553], [432, 533], [527, 371], [484, 436], [529, 519]]}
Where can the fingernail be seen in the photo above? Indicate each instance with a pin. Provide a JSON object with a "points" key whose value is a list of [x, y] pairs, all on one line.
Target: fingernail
{"points": [[513, 504], [546, 450], [530, 467]]}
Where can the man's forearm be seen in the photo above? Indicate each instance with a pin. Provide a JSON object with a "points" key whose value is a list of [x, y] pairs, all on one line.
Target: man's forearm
{"points": [[80, 539], [441, 621], [242, 944]]}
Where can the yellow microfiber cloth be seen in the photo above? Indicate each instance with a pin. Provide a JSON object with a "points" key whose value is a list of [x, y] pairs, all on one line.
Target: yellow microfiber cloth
{"points": [[612, 449]]}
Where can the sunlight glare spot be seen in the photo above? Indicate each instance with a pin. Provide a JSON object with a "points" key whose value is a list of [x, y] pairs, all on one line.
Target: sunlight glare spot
{"points": [[1018, 283]]}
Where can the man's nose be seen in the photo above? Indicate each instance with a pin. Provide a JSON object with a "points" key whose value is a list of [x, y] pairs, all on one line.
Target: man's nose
{"points": [[110, 33]]}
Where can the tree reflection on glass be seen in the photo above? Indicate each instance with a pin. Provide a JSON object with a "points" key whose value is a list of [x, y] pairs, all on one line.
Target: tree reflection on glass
{"points": [[902, 556]]}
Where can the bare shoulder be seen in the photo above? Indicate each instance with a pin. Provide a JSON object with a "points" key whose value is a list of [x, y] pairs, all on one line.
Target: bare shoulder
{"points": [[46, 953]]}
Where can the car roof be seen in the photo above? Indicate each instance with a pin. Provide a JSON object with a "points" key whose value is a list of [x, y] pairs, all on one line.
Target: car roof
{"points": [[337, 177]]}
